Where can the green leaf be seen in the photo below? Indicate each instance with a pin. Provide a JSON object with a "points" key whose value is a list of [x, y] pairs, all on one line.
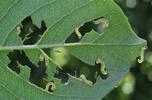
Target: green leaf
{"points": [[90, 37], [118, 46]]}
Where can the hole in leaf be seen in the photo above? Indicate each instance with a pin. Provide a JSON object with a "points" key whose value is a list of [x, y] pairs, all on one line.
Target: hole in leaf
{"points": [[61, 74], [29, 32], [91, 72], [38, 72], [98, 25], [69, 64]]}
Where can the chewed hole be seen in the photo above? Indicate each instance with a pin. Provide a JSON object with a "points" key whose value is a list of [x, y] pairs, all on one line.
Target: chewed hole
{"points": [[13, 65], [75, 67], [99, 25], [62, 75], [37, 73], [91, 72], [29, 32]]}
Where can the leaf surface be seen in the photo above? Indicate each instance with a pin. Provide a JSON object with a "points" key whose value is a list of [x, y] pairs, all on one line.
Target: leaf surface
{"points": [[118, 46]]}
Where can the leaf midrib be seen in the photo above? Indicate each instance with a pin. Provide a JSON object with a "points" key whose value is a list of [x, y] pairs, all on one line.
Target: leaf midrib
{"points": [[67, 44]]}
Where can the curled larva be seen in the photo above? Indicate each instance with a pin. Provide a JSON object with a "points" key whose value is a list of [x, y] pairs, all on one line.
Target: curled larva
{"points": [[50, 87], [141, 59], [102, 67]]}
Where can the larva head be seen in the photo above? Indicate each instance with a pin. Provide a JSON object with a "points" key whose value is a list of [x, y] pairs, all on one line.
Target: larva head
{"points": [[60, 55]]}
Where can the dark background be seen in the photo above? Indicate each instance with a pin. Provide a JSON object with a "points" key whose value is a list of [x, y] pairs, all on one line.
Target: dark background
{"points": [[137, 85]]}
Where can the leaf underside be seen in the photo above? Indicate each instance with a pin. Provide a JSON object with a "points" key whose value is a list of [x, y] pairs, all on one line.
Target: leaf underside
{"points": [[118, 46]]}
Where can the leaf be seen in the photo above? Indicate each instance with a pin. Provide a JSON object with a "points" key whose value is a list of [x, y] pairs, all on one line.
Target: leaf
{"points": [[90, 37], [117, 46]]}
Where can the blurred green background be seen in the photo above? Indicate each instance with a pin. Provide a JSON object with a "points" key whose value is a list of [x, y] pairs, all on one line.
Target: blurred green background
{"points": [[137, 85]]}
